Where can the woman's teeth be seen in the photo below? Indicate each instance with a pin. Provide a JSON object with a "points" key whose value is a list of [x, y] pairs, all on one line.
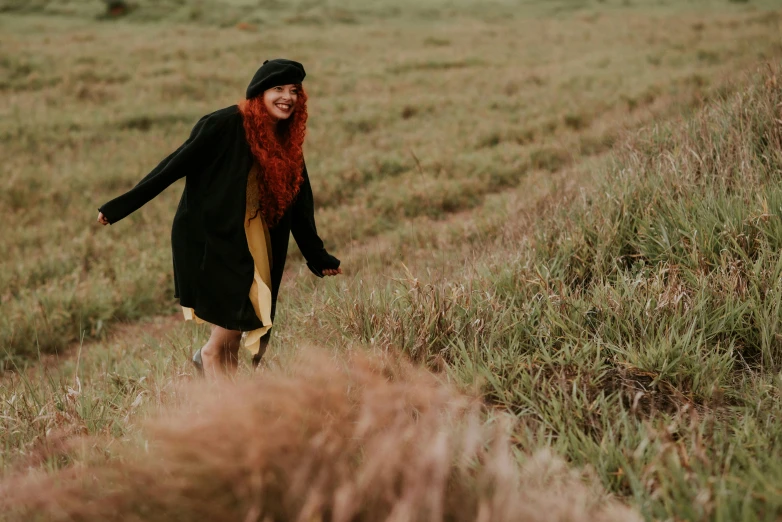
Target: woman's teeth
{"points": [[283, 106]]}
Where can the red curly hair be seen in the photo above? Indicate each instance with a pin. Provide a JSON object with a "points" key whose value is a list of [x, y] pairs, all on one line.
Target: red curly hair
{"points": [[277, 146]]}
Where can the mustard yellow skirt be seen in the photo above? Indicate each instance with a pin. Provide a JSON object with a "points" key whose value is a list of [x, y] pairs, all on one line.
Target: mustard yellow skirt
{"points": [[259, 241]]}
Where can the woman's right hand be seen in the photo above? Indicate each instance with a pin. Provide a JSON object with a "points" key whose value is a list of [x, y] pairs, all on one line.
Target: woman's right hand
{"points": [[102, 219]]}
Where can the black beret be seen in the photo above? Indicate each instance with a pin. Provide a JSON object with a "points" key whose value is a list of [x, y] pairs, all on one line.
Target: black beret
{"points": [[273, 73]]}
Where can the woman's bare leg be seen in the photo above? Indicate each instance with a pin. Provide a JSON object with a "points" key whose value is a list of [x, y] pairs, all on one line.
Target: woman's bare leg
{"points": [[231, 355], [262, 349], [221, 351]]}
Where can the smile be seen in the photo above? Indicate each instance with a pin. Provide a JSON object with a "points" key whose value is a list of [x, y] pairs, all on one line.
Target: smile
{"points": [[283, 106]]}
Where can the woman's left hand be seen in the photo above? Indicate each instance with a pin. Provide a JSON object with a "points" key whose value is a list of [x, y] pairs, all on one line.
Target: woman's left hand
{"points": [[331, 271]]}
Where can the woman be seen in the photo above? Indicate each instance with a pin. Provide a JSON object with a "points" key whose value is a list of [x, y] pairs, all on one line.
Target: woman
{"points": [[246, 190]]}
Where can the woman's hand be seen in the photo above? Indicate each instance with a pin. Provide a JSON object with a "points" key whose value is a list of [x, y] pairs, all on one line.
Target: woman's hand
{"points": [[102, 219], [331, 271]]}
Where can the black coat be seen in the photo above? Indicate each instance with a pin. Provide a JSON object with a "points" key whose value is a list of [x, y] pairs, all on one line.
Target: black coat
{"points": [[213, 267]]}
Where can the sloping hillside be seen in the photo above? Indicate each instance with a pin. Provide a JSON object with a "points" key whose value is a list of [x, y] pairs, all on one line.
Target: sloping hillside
{"points": [[412, 121]]}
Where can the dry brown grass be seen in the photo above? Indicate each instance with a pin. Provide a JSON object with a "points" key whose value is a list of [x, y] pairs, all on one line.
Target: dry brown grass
{"points": [[366, 439]]}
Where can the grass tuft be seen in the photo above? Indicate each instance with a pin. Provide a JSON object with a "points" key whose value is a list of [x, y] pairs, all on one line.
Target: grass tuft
{"points": [[368, 440]]}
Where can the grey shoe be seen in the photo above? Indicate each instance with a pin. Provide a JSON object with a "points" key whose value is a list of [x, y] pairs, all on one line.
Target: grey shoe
{"points": [[198, 363]]}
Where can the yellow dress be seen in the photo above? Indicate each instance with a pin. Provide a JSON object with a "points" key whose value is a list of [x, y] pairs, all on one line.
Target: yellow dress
{"points": [[259, 242]]}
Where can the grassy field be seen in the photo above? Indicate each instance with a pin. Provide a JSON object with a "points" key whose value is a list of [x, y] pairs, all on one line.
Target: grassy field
{"points": [[409, 119], [519, 203]]}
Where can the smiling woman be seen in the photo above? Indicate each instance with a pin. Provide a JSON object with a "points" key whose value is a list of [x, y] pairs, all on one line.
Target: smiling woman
{"points": [[281, 100], [246, 190]]}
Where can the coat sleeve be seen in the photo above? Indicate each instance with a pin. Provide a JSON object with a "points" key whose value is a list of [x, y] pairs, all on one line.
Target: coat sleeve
{"points": [[178, 164], [305, 233]]}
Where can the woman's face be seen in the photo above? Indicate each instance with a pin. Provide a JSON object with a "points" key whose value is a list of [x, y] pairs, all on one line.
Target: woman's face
{"points": [[281, 101]]}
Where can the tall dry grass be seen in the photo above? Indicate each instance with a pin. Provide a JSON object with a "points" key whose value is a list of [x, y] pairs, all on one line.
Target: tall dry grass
{"points": [[635, 327], [364, 439]]}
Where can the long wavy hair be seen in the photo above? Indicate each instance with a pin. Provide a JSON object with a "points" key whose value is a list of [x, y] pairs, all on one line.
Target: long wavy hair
{"points": [[277, 147]]}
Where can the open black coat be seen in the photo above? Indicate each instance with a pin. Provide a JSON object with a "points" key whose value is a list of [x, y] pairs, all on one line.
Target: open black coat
{"points": [[213, 267]]}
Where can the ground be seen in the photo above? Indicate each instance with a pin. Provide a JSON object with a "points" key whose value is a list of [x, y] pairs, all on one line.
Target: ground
{"points": [[558, 208]]}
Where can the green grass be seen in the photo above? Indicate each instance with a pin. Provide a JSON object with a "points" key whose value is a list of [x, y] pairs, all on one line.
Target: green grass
{"points": [[517, 201], [631, 327], [268, 13], [635, 328]]}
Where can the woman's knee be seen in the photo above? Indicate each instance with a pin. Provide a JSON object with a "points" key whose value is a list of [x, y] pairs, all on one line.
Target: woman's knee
{"points": [[228, 338]]}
